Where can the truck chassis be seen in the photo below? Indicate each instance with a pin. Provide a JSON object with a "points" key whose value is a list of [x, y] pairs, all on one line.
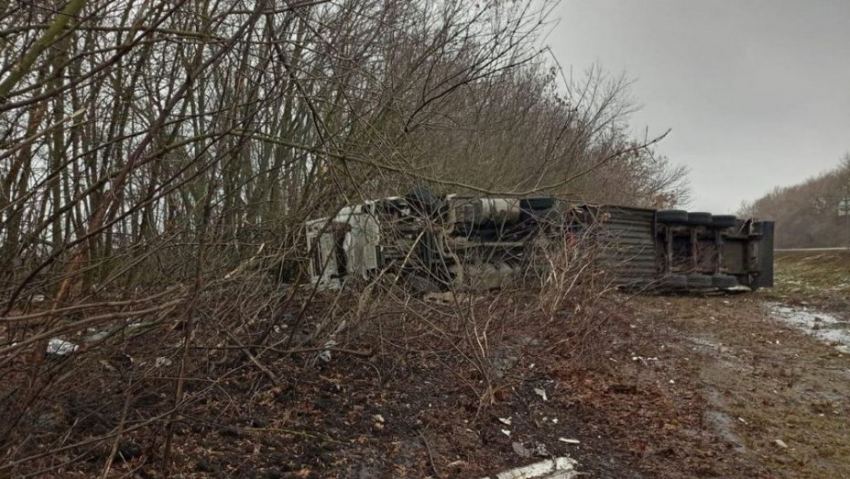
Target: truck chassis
{"points": [[489, 242]]}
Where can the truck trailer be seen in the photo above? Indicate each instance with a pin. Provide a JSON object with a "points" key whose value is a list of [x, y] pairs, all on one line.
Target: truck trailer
{"points": [[466, 241]]}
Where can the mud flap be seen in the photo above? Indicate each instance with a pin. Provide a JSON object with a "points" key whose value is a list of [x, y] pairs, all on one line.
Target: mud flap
{"points": [[765, 277]]}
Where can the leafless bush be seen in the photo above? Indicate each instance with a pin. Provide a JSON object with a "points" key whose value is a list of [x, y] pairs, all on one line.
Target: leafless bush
{"points": [[158, 161]]}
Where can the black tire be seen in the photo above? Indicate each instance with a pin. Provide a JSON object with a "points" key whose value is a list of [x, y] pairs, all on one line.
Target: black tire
{"points": [[672, 216], [699, 281], [724, 221], [699, 219], [674, 281], [724, 281]]}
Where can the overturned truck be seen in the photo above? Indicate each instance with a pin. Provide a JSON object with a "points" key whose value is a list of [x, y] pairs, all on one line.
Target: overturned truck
{"points": [[489, 242]]}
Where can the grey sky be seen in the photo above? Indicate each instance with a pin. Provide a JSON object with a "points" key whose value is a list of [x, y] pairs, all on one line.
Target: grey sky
{"points": [[757, 92]]}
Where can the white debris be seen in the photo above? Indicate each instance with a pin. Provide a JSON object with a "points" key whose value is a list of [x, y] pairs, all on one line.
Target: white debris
{"points": [[569, 441], [162, 361], [60, 347], [542, 393], [505, 420], [506, 432], [378, 418], [326, 354], [781, 443], [558, 468], [98, 336], [643, 359]]}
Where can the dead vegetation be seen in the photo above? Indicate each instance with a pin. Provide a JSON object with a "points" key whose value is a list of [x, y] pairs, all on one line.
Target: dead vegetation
{"points": [[157, 163], [819, 278], [258, 363]]}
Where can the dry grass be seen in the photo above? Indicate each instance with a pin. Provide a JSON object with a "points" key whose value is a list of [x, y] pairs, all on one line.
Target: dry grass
{"points": [[821, 277]]}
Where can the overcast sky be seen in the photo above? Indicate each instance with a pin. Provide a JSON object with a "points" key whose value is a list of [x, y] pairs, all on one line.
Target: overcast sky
{"points": [[757, 92]]}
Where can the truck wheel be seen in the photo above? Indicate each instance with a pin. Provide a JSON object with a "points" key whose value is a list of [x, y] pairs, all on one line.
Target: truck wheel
{"points": [[674, 281], [723, 221], [699, 281], [672, 216], [724, 281], [699, 219]]}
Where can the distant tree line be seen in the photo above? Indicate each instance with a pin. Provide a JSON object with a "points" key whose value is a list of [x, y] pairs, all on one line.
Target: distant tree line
{"points": [[807, 214]]}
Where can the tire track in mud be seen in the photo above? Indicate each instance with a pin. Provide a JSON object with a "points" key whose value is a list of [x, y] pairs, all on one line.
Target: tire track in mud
{"points": [[773, 390]]}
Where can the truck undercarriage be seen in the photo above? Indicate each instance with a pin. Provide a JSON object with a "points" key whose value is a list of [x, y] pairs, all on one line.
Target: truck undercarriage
{"points": [[457, 241]]}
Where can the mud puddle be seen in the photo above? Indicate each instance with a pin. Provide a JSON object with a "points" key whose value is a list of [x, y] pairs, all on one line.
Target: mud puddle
{"points": [[824, 326]]}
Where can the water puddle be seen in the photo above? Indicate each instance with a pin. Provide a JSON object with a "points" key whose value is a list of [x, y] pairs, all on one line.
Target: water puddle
{"points": [[826, 327]]}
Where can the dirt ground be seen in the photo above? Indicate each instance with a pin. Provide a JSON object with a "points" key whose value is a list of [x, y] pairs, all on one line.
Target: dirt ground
{"points": [[774, 392], [670, 387]]}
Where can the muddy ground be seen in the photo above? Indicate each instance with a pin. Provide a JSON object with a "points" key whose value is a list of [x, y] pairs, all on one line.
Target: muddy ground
{"points": [[670, 387]]}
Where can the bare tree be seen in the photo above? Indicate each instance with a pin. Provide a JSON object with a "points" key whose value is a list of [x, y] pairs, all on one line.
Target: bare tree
{"points": [[157, 157]]}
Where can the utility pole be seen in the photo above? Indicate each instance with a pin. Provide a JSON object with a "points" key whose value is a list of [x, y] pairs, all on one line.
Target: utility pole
{"points": [[844, 210]]}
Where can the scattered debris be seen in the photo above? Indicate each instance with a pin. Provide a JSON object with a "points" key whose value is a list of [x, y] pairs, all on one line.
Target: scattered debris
{"points": [[325, 356], [98, 336], [781, 443], [542, 393], [162, 361], [506, 432], [541, 451], [505, 420], [563, 466], [60, 347], [643, 359], [378, 418], [569, 441]]}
